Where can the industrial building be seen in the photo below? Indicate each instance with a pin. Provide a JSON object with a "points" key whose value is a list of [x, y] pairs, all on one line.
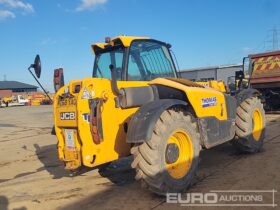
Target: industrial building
{"points": [[15, 86], [222, 72], [7, 88]]}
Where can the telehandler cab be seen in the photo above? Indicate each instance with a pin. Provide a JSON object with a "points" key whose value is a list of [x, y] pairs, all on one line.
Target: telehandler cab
{"points": [[136, 104]]}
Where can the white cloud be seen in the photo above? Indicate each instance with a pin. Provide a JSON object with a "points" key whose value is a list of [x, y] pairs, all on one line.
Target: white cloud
{"points": [[4, 14], [17, 4], [88, 4]]}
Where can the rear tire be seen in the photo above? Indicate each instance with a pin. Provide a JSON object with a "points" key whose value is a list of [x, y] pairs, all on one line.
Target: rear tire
{"points": [[250, 126], [168, 161]]}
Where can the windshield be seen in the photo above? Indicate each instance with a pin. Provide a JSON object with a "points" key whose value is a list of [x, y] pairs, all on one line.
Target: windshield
{"points": [[149, 60], [104, 59]]}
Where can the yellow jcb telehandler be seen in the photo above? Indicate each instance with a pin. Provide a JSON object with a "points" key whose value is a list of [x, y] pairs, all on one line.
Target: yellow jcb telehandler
{"points": [[134, 103]]}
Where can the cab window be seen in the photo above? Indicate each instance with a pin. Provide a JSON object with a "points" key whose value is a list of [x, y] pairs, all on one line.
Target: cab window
{"points": [[104, 59]]}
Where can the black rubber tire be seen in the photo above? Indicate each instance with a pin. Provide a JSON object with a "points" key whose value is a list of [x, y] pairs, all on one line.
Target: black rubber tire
{"points": [[244, 141], [149, 157]]}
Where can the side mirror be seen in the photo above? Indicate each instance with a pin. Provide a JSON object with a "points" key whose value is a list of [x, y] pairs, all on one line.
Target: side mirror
{"points": [[247, 65], [37, 66], [58, 79]]}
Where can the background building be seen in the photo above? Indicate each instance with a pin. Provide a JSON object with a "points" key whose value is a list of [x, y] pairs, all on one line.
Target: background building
{"points": [[10, 87], [222, 72]]}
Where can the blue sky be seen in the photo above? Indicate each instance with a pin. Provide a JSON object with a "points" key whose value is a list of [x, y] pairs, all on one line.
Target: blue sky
{"points": [[202, 32]]}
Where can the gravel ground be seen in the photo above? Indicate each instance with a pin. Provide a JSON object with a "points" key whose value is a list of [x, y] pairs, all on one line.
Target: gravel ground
{"points": [[32, 177]]}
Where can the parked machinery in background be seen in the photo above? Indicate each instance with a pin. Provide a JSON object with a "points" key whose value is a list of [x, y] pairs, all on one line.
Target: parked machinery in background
{"points": [[5, 101], [264, 75]]}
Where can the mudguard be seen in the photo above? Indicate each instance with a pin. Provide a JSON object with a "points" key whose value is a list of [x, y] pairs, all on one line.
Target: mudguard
{"points": [[141, 125], [246, 93]]}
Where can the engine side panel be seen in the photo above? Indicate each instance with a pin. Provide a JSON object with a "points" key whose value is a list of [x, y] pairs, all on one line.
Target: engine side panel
{"points": [[206, 102]]}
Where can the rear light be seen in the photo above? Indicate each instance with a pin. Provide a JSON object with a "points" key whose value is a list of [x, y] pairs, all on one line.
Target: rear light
{"points": [[58, 79], [56, 72], [95, 120]]}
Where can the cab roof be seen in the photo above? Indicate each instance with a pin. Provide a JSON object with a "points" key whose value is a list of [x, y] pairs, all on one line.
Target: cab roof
{"points": [[119, 40]]}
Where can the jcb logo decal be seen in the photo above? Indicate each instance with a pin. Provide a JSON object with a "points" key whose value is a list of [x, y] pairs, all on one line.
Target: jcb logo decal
{"points": [[67, 116]]}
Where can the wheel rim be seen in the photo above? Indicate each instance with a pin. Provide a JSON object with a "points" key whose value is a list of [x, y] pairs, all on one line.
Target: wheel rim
{"points": [[257, 124], [179, 154]]}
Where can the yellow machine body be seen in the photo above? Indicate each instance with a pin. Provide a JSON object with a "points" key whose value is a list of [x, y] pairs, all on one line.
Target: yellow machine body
{"points": [[114, 145]]}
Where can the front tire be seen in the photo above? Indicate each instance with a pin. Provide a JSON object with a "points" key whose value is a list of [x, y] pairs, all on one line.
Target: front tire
{"points": [[168, 161], [250, 126]]}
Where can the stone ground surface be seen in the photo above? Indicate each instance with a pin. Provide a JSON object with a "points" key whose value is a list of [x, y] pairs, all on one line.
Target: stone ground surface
{"points": [[32, 177]]}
